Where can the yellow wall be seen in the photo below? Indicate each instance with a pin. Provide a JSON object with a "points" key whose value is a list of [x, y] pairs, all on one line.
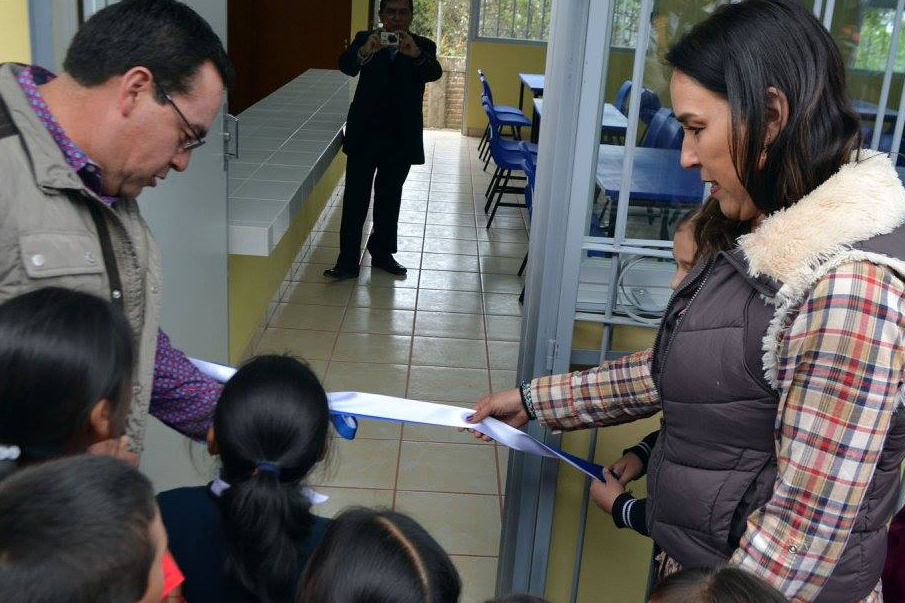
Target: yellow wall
{"points": [[254, 280], [361, 20], [501, 62], [14, 38]]}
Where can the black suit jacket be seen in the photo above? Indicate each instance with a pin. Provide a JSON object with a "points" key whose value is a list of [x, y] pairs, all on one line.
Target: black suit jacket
{"points": [[385, 83]]}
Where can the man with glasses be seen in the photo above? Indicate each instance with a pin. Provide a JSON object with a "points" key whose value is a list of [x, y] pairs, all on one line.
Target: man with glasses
{"points": [[142, 82], [384, 132]]}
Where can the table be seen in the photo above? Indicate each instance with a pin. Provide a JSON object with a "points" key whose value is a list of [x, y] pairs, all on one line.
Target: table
{"points": [[657, 178], [534, 81], [614, 123], [868, 111]]}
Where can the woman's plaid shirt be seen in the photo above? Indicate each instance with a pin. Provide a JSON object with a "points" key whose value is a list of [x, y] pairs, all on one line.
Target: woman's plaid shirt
{"points": [[841, 379]]}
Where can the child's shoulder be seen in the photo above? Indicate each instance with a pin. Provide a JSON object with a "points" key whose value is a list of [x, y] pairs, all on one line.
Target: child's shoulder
{"points": [[184, 501]]}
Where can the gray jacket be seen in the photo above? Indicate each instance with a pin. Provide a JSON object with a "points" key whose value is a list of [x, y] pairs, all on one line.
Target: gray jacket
{"points": [[49, 235]]}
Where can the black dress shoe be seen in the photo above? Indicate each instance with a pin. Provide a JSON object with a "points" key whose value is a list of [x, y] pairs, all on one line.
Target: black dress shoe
{"points": [[389, 264], [339, 273]]}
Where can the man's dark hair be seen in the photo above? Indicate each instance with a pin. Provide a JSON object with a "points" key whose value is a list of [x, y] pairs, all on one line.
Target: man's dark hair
{"points": [[383, 5], [76, 530], [167, 37]]}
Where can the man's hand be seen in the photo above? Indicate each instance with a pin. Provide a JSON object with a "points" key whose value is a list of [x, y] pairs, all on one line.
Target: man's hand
{"points": [[604, 494], [628, 468], [371, 46], [407, 45], [118, 448], [505, 406]]}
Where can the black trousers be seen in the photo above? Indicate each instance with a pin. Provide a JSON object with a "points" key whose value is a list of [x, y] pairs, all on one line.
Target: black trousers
{"points": [[391, 174]]}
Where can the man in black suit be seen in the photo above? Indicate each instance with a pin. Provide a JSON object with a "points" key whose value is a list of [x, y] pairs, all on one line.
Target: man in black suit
{"points": [[383, 132]]}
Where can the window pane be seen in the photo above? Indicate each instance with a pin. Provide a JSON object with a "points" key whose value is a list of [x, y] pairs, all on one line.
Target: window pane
{"points": [[514, 19]]}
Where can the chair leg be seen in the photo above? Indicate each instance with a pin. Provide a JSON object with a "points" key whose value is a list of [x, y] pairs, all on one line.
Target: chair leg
{"points": [[490, 184], [484, 137], [499, 199], [521, 270], [496, 185], [517, 132], [521, 297]]}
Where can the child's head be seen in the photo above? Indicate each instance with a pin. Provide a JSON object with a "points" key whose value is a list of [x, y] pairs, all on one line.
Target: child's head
{"points": [[83, 529], [270, 429], [684, 250], [371, 555], [715, 585], [66, 363]]}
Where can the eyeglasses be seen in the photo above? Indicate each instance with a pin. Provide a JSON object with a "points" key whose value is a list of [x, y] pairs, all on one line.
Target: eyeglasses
{"points": [[397, 12], [198, 140]]}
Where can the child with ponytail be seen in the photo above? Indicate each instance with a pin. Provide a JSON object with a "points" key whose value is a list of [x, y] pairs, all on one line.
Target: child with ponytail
{"points": [[247, 536]]}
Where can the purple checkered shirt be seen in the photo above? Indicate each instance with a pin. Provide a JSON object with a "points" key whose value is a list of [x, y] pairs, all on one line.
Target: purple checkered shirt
{"points": [[182, 397]]}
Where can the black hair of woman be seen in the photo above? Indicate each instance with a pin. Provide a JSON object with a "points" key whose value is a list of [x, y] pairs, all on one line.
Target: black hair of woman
{"points": [[83, 529], [715, 585], [741, 52], [66, 362], [379, 555], [271, 427]]}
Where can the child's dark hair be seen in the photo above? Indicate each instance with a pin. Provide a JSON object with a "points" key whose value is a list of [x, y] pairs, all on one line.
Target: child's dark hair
{"points": [[61, 351], [374, 555], [715, 585], [76, 530], [271, 426]]}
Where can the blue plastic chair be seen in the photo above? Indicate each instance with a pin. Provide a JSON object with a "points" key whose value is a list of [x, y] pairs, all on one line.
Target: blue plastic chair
{"points": [[650, 104], [621, 101], [498, 108], [663, 132], [507, 160], [508, 144]]}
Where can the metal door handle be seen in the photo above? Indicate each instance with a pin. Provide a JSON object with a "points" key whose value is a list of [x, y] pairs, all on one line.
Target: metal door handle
{"points": [[229, 137]]}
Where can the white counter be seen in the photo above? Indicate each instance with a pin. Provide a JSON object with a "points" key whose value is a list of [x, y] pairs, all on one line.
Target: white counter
{"points": [[287, 140]]}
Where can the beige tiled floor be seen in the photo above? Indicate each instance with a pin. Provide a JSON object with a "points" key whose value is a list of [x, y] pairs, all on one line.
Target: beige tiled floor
{"points": [[448, 332]]}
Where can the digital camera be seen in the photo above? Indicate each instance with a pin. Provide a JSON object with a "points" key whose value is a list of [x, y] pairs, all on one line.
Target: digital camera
{"points": [[389, 38]]}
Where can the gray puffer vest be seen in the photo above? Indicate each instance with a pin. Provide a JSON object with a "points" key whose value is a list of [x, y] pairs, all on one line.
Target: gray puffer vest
{"points": [[714, 364]]}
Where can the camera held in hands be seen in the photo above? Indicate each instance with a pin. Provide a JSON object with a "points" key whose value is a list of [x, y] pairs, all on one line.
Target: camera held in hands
{"points": [[389, 38]]}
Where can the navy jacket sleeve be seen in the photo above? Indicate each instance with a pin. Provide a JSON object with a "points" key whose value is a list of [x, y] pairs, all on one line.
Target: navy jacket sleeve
{"points": [[348, 60], [631, 512], [427, 66]]}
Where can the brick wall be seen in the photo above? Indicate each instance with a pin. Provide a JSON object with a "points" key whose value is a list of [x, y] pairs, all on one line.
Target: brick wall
{"points": [[444, 100]]}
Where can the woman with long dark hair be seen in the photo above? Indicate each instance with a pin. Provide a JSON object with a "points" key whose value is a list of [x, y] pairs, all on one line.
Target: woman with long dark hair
{"points": [[248, 535], [779, 362]]}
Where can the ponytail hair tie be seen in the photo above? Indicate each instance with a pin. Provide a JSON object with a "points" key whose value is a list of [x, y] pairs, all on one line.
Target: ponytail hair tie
{"points": [[10, 453], [268, 467]]}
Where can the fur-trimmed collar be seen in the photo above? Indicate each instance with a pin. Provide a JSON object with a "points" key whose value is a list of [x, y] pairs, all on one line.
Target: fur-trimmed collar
{"points": [[863, 199]]}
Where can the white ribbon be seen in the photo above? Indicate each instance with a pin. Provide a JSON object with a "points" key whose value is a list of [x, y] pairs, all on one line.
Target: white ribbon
{"points": [[375, 406], [219, 486]]}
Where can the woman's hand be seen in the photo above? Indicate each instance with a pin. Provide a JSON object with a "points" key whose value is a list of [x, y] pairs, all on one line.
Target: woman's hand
{"points": [[604, 494], [628, 468], [505, 406]]}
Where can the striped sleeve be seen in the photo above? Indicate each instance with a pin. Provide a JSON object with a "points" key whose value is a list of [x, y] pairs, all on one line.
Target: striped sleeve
{"points": [[618, 391], [840, 376]]}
